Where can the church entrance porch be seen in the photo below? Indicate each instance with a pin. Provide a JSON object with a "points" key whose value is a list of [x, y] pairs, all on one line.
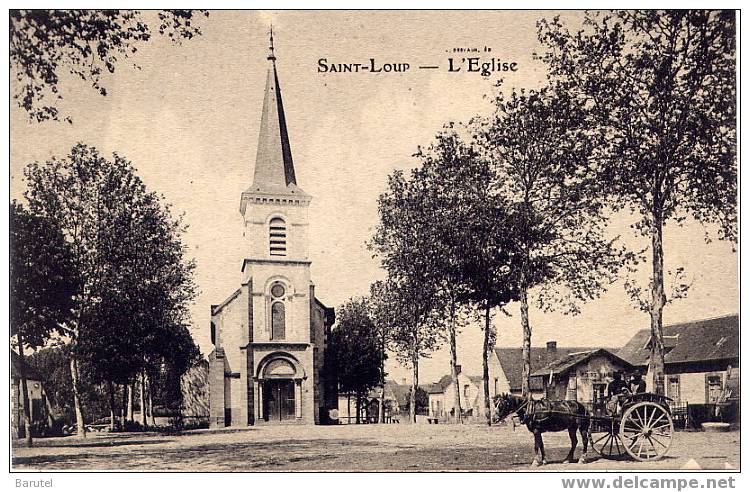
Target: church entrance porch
{"points": [[279, 400], [280, 389]]}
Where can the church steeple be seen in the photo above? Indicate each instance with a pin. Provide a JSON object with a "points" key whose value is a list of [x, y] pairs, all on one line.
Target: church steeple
{"points": [[274, 168]]}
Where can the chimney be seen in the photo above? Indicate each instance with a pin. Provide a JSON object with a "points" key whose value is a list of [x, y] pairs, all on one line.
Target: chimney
{"points": [[458, 368], [551, 350]]}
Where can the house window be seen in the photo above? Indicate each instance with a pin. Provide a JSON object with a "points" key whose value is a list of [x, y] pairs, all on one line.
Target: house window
{"points": [[673, 387], [277, 237], [497, 386], [713, 387], [466, 391]]}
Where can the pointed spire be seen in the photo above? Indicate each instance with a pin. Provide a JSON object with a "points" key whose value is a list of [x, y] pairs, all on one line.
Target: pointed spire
{"points": [[274, 169]]}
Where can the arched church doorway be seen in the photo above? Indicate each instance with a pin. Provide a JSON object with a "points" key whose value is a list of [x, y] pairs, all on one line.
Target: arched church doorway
{"points": [[280, 390], [279, 399]]}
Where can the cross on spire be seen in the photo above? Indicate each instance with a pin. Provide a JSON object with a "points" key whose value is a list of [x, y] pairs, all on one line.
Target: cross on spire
{"points": [[271, 55]]}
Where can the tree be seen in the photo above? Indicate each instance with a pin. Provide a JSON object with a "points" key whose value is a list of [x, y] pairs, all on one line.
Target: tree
{"points": [[384, 322], [439, 184], [355, 348], [489, 259], [42, 283], [660, 88], [85, 43], [136, 284], [541, 148], [399, 243]]}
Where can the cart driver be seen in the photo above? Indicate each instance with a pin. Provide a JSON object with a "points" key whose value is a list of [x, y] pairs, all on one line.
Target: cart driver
{"points": [[615, 389], [637, 384]]}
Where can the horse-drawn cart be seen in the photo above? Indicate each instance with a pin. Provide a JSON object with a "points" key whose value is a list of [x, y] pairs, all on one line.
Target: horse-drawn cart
{"points": [[641, 426]]}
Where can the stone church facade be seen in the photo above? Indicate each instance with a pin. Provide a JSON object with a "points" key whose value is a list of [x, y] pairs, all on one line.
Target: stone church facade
{"points": [[270, 336]]}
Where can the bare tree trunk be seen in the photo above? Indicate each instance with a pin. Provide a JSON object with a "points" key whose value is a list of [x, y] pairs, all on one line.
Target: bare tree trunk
{"points": [[526, 355], [124, 405], [414, 385], [485, 364], [143, 400], [454, 368], [151, 418], [381, 403], [80, 424], [359, 406], [658, 300], [111, 390], [25, 394], [130, 402]]}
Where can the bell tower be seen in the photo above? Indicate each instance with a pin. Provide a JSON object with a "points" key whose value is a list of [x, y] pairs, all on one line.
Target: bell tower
{"points": [[270, 335]]}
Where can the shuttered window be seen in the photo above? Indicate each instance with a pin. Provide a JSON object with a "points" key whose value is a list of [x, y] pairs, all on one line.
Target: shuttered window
{"points": [[277, 237]]}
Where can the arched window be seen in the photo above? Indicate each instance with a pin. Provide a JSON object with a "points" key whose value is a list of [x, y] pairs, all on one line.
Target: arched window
{"points": [[278, 321], [278, 312], [277, 237]]}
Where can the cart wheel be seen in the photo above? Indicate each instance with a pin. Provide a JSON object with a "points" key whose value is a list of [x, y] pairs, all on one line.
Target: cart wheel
{"points": [[646, 430], [605, 441]]}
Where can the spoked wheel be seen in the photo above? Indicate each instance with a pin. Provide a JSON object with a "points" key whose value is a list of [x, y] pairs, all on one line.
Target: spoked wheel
{"points": [[605, 440], [646, 430]]}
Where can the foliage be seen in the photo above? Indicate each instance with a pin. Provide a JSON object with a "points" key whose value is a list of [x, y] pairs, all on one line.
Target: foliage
{"points": [[542, 149], [86, 43], [42, 277], [660, 89], [355, 348], [136, 284]]}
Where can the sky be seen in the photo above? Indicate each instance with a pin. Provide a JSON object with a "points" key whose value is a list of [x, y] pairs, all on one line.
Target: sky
{"points": [[189, 117]]}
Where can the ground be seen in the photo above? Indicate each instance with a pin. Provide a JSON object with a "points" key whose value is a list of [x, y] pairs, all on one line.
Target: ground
{"points": [[392, 447]]}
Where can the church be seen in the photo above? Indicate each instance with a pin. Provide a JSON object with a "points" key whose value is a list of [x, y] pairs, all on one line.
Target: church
{"points": [[270, 335]]}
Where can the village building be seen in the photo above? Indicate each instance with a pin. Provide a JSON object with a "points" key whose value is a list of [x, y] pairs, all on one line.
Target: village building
{"points": [[702, 359], [442, 397], [269, 359], [506, 367], [581, 376], [38, 404]]}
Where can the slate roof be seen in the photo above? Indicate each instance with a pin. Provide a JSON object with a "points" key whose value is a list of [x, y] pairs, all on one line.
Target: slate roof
{"points": [[568, 362], [15, 369], [511, 360], [695, 341]]}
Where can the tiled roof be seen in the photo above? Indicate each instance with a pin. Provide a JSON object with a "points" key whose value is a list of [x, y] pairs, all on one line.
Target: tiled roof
{"points": [[695, 341], [564, 364], [511, 360]]}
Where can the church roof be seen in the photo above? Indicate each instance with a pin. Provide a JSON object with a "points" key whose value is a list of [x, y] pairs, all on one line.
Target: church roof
{"points": [[274, 167]]}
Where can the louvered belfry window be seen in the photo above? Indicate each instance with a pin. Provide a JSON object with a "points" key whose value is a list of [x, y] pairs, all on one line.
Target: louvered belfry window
{"points": [[277, 237]]}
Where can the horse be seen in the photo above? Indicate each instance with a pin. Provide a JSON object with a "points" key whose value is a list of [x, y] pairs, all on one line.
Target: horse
{"points": [[541, 416]]}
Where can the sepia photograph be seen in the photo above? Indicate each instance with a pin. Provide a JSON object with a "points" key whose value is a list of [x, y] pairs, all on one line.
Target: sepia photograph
{"points": [[374, 241]]}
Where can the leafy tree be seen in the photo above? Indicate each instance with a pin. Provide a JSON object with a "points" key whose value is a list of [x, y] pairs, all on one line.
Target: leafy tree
{"points": [[399, 242], [660, 88], [85, 43], [468, 240], [42, 284], [136, 282], [440, 187], [384, 321], [541, 148], [356, 350]]}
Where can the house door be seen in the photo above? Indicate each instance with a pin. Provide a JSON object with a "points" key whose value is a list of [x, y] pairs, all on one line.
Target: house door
{"points": [[278, 399]]}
